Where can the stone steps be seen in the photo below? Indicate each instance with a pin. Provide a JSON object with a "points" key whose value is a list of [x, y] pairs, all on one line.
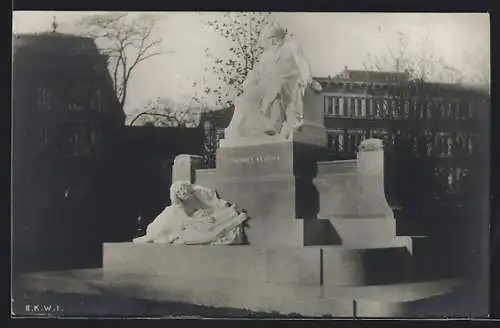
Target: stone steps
{"points": [[361, 230], [350, 233]]}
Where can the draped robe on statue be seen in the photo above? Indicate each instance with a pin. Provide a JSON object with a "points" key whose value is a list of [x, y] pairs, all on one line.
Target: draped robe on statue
{"points": [[203, 219], [271, 102]]}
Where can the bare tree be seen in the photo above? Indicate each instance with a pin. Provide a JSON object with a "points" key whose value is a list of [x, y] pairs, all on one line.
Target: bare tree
{"points": [[128, 40], [243, 31], [479, 63], [423, 65], [163, 112]]}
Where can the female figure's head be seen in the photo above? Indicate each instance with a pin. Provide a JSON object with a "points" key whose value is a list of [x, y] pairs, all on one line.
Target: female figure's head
{"points": [[180, 191]]}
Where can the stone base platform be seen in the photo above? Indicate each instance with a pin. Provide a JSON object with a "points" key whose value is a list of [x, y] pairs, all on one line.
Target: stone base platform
{"points": [[424, 299], [309, 266]]}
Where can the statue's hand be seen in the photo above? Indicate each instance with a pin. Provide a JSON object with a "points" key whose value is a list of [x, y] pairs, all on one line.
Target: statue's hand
{"points": [[316, 86]]}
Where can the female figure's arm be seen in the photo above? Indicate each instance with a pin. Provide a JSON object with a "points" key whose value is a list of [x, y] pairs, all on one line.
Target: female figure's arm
{"points": [[174, 200]]}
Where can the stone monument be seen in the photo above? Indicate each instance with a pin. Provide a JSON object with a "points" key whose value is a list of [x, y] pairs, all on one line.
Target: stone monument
{"points": [[315, 228]]}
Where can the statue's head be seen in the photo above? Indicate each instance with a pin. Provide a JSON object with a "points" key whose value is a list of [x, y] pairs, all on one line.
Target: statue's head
{"points": [[275, 33], [182, 190]]}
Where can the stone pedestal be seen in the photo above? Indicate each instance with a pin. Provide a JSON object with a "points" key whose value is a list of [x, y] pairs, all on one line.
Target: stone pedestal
{"points": [[185, 166], [273, 183], [372, 201], [271, 178], [313, 129]]}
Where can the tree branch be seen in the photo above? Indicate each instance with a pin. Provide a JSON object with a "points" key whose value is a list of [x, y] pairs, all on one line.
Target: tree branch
{"points": [[238, 41], [119, 36]]}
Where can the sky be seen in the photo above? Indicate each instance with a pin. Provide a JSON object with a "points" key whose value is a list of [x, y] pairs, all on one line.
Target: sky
{"points": [[330, 41]]}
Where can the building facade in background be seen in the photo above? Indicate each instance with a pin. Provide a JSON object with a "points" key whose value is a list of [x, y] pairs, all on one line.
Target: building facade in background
{"points": [[63, 93], [80, 176], [433, 127], [357, 102], [65, 113], [433, 122]]}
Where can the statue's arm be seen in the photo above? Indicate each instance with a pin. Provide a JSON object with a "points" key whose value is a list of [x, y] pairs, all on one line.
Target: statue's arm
{"points": [[301, 63], [174, 200], [209, 197]]}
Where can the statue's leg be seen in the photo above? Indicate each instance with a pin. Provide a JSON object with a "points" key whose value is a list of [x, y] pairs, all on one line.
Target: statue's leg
{"points": [[273, 119], [294, 115], [286, 130]]}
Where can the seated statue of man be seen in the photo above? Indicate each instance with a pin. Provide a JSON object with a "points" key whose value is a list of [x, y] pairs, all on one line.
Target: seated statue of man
{"points": [[197, 216], [272, 99]]}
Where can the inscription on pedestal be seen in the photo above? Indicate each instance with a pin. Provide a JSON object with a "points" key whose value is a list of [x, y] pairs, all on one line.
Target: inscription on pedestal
{"points": [[281, 158], [258, 159]]}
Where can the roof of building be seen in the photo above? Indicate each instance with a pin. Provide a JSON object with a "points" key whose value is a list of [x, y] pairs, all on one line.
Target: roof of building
{"points": [[388, 77], [53, 42], [367, 76]]}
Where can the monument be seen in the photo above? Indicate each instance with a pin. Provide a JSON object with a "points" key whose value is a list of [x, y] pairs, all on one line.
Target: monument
{"points": [[315, 231]]}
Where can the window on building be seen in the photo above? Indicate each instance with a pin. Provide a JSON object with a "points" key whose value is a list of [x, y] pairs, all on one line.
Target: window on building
{"points": [[464, 113], [456, 109], [355, 107], [336, 106], [470, 145], [459, 143], [414, 108], [381, 108], [359, 105], [74, 106], [363, 107], [78, 139], [430, 110], [355, 137], [350, 143], [80, 97], [449, 146], [443, 144], [44, 137], [369, 107], [340, 142], [450, 113], [406, 109], [329, 105], [96, 101], [346, 106], [386, 110], [433, 109], [395, 108], [422, 110], [429, 145], [470, 107], [44, 99], [442, 111], [330, 137], [377, 108]]}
